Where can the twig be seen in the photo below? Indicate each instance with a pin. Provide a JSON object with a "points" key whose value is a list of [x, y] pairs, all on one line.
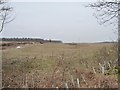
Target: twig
{"points": [[66, 85], [72, 80], [103, 70], [99, 84], [33, 80], [84, 80], [78, 82], [94, 70], [57, 88], [109, 65]]}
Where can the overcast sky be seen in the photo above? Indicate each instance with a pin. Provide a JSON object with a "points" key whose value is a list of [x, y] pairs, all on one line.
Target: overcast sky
{"points": [[66, 21]]}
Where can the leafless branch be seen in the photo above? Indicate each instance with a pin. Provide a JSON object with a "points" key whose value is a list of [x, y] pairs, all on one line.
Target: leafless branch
{"points": [[5, 12], [106, 11]]}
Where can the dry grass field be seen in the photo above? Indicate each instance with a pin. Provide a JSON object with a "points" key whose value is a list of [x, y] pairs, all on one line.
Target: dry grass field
{"points": [[60, 65]]}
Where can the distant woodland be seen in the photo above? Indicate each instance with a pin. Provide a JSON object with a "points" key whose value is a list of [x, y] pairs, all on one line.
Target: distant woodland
{"points": [[30, 40]]}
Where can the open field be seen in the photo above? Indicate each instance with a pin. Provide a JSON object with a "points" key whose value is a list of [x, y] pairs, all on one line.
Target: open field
{"points": [[60, 65]]}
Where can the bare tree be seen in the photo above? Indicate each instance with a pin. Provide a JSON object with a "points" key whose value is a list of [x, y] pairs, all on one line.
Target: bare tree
{"points": [[109, 12], [106, 11], [5, 14]]}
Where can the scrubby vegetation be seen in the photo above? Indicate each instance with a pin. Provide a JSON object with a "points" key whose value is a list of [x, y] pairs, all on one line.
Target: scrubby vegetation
{"points": [[61, 65]]}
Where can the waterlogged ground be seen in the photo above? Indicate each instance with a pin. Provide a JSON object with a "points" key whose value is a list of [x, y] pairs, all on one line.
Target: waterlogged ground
{"points": [[60, 65]]}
